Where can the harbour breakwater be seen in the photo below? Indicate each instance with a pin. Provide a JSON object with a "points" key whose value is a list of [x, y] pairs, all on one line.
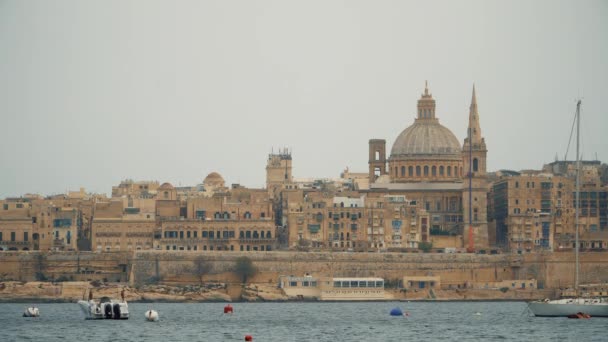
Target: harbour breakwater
{"points": [[456, 271]]}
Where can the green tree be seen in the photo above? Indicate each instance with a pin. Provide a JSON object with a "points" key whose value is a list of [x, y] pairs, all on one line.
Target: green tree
{"points": [[244, 268], [425, 246], [201, 267]]}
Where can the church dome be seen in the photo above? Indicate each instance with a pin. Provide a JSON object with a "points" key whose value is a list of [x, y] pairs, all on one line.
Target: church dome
{"points": [[213, 179], [426, 151], [166, 186], [426, 137]]}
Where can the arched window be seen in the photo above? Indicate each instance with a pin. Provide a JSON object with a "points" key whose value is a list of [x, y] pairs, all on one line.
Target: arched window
{"points": [[166, 194], [261, 234], [396, 171], [441, 170], [268, 235], [377, 155], [434, 170], [449, 171], [418, 171], [426, 170], [247, 215], [403, 171], [226, 215], [461, 171], [475, 165], [410, 171]]}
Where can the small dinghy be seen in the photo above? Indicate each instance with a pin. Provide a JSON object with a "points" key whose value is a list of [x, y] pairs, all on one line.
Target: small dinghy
{"points": [[152, 316], [579, 315], [31, 312]]}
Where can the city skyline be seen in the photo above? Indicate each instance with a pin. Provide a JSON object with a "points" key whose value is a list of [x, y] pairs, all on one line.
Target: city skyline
{"points": [[212, 87]]}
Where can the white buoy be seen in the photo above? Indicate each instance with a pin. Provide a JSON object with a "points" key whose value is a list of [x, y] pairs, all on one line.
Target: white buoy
{"points": [[31, 312], [478, 314], [152, 315]]}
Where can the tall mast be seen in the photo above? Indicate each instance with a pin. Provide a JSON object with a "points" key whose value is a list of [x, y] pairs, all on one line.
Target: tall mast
{"points": [[578, 189]]}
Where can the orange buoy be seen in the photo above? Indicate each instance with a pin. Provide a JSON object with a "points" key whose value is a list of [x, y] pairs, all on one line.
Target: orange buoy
{"points": [[248, 338], [228, 309]]}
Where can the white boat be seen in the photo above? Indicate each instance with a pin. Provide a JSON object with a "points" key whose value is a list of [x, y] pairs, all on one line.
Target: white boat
{"points": [[596, 307], [106, 308]]}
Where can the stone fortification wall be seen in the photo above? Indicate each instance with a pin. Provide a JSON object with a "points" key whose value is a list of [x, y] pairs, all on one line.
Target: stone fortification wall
{"points": [[456, 269], [78, 266], [552, 270], [557, 270]]}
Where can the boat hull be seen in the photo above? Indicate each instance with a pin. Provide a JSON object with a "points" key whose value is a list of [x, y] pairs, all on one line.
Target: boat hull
{"points": [[565, 308], [106, 310]]}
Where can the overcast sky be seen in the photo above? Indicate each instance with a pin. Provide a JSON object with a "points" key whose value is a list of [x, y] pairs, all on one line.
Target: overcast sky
{"points": [[93, 92]]}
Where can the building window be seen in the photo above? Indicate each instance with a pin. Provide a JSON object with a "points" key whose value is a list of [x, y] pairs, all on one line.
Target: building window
{"points": [[441, 170], [434, 170], [449, 171], [12, 236], [403, 171], [410, 171], [475, 165], [25, 236], [418, 171], [426, 170]]}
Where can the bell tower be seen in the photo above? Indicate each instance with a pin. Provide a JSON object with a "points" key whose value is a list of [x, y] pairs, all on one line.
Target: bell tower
{"points": [[474, 151], [377, 159], [475, 185], [278, 170]]}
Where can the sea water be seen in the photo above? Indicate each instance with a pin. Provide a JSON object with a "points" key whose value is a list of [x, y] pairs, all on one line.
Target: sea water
{"points": [[361, 321]]}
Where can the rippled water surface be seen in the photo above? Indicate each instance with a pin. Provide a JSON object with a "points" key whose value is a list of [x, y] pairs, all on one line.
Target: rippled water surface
{"points": [[301, 322]]}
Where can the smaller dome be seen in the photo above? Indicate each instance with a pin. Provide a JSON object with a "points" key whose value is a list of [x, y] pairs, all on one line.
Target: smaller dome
{"points": [[166, 186], [214, 179]]}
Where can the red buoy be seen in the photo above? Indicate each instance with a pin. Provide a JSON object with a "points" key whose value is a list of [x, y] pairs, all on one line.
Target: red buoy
{"points": [[228, 309], [248, 338]]}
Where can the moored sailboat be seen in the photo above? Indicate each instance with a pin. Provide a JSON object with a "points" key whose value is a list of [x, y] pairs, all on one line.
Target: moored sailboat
{"points": [[595, 307]]}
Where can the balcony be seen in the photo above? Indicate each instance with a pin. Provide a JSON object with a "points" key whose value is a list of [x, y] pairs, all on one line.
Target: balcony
{"points": [[15, 243], [256, 240]]}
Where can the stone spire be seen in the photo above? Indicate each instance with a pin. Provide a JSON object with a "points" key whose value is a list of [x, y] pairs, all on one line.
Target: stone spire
{"points": [[474, 119], [426, 104]]}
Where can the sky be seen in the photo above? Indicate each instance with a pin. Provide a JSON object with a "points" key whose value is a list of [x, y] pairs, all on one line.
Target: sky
{"points": [[94, 92]]}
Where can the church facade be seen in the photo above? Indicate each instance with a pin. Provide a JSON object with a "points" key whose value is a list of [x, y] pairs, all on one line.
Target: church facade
{"points": [[427, 164]]}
